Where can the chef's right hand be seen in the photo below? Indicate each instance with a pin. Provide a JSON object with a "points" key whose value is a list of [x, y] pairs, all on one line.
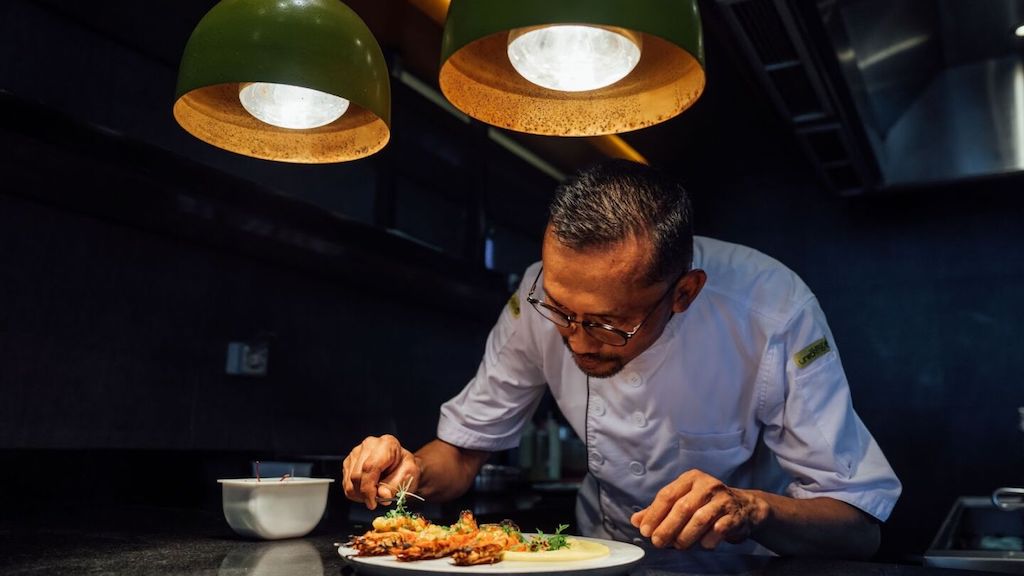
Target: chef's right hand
{"points": [[374, 470]]}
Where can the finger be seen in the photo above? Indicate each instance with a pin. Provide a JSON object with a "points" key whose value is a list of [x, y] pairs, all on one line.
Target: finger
{"points": [[373, 457], [668, 530], [349, 476], [663, 503], [733, 528], [719, 531], [638, 517], [368, 480], [386, 454], [345, 480], [701, 522], [711, 539], [386, 492]]}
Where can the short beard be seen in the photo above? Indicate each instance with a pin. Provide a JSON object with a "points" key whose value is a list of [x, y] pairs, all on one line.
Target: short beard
{"points": [[616, 367]]}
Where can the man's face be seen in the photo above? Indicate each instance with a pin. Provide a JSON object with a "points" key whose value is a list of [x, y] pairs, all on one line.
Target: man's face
{"points": [[606, 285]]}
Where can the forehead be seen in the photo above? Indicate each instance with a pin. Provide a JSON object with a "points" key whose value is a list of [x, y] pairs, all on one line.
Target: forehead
{"points": [[599, 280]]}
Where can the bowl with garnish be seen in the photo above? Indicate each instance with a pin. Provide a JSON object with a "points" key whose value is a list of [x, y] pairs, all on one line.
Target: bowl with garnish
{"points": [[274, 508]]}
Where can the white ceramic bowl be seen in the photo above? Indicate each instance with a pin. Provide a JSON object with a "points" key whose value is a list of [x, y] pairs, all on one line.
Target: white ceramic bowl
{"points": [[272, 508]]}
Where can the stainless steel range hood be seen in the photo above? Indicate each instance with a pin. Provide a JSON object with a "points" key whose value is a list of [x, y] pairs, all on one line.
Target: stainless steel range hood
{"points": [[896, 93]]}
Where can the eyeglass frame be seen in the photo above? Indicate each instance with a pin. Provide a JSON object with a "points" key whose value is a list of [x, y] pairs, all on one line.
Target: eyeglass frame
{"points": [[587, 324]]}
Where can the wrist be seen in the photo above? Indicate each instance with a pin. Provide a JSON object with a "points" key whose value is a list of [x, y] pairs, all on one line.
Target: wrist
{"points": [[762, 511]]}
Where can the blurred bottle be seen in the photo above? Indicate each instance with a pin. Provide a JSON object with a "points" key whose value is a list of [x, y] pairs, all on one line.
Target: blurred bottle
{"points": [[527, 444], [554, 456], [539, 466]]}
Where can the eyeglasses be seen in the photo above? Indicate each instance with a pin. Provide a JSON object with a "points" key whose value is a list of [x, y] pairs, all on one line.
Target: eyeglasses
{"points": [[602, 332]]}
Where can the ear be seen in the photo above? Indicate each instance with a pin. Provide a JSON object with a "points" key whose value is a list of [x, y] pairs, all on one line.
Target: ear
{"points": [[687, 289]]}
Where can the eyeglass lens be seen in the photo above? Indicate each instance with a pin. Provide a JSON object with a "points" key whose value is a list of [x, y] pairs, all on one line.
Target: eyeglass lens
{"points": [[606, 335]]}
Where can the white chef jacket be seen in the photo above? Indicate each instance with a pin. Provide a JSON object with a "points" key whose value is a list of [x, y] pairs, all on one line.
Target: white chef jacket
{"points": [[739, 385]]}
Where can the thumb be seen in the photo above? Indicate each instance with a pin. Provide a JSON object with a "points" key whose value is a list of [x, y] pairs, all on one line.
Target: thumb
{"points": [[407, 475]]}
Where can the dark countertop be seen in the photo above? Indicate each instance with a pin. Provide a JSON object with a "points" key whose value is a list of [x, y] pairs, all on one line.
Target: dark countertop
{"points": [[160, 541]]}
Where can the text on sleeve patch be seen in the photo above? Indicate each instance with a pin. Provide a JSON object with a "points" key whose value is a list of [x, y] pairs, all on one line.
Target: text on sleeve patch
{"points": [[816, 350]]}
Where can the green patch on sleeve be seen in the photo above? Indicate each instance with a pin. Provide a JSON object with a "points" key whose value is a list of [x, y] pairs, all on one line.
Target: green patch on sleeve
{"points": [[513, 304], [816, 350]]}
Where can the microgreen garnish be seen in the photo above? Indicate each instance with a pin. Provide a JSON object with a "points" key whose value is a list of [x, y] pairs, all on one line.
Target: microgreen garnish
{"points": [[400, 495], [511, 529], [556, 541]]}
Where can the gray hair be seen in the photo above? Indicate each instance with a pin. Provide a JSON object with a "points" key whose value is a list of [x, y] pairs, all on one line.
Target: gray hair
{"points": [[615, 199]]}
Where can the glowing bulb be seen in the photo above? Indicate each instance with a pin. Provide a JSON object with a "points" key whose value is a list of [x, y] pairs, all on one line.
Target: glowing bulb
{"points": [[1020, 31], [291, 106], [573, 58]]}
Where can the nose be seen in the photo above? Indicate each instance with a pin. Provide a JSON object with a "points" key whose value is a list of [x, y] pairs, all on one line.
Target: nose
{"points": [[580, 341]]}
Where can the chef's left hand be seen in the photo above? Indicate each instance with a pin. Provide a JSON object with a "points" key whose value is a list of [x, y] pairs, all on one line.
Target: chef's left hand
{"points": [[697, 507]]}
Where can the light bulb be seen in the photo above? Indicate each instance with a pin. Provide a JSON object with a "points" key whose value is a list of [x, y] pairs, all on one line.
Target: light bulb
{"points": [[291, 106], [573, 58], [1019, 31]]}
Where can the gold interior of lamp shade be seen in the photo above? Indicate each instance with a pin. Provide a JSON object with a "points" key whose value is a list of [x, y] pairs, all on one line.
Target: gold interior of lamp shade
{"points": [[479, 80], [215, 115]]}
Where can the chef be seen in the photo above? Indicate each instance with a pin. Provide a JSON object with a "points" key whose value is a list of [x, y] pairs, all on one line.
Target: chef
{"points": [[701, 375]]}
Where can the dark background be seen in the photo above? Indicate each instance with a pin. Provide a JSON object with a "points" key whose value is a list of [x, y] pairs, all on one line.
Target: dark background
{"points": [[131, 254]]}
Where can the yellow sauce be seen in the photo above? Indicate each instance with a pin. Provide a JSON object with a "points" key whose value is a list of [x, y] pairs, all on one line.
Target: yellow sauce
{"points": [[577, 550]]}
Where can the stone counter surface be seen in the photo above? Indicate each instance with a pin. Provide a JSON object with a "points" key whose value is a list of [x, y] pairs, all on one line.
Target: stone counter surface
{"points": [[156, 541]]}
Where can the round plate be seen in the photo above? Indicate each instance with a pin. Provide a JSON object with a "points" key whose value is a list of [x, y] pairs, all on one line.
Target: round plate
{"points": [[621, 558]]}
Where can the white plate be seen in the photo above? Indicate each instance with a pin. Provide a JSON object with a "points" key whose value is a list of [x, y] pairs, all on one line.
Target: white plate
{"points": [[620, 559]]}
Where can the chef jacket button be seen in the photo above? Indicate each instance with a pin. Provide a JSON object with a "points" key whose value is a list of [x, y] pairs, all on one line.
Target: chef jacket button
{"points": [[597, 406], [639, 419], [638, 541], [596, 458], [634, 379], [636, 468]]}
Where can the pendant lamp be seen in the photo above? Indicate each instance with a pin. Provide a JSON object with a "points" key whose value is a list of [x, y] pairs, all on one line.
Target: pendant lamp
{"points": [[572, 67], [289, 80]]}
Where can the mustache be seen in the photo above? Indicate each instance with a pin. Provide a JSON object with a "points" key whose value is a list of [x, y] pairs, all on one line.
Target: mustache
{"points": [[592, 357]]}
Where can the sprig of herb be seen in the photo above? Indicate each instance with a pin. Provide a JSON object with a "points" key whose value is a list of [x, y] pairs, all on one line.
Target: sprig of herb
{"points": [[400, 496], [556, 541], [512, 530], [510, 527]]}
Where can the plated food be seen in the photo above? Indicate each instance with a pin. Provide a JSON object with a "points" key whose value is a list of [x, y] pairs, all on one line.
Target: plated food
{"points": [[409, 537]]}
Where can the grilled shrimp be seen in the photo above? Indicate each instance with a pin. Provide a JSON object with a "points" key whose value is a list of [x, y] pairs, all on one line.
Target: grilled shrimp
{"points": [[489, 544], [413, 522], [381, 543], [434, 542], [437, 542]]}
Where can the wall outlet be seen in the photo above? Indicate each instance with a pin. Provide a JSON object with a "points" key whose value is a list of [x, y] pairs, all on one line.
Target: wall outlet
{"points": [[247, 359]]}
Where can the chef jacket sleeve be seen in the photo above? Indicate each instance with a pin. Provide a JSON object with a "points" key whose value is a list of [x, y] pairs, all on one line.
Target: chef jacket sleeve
{"points": [[492, 409], [811, 425]]}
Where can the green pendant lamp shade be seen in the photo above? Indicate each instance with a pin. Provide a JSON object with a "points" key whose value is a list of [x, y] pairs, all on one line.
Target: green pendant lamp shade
{"points": [[478, 78], [317, 44]]}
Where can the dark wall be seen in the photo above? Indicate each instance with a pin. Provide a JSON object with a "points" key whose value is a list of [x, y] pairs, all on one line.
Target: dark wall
{"points": [[122, 283], [115, 337]]}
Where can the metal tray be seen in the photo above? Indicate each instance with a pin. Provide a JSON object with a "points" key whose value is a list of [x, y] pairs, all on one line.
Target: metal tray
{"points": [[972, 534]]}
